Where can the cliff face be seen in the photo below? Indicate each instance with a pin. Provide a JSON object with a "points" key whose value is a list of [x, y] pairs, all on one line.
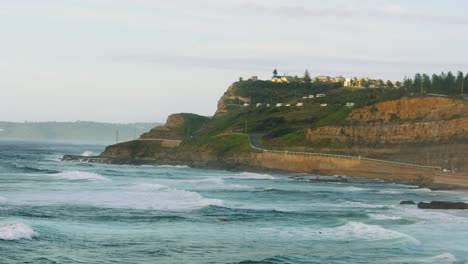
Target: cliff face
{"points": [[422, 109], [228, 100], [381, 133], [426, 131], [176, 127]]}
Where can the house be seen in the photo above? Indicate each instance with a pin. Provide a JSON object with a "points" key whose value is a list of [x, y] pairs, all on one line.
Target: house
{"points": [[350, 104], [246, 104], [339, 79], [254, 78], [323, 78], [304, 97], [348, 82], [300, 104], [323, 105], [259, 104], [268, 105], [311, 96], [281, 79], [288, 105], [279, 104], [320, 95]]}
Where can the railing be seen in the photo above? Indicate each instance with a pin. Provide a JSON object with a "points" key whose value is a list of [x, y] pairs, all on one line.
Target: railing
{"points": [[401, 164], [152, 139]]}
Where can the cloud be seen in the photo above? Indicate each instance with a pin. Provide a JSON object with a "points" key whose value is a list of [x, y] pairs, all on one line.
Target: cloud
{"points": [[349, 66], [388, 11]]}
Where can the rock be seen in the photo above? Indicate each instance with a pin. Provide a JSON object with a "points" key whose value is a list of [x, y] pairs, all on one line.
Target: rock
{"points": [[443, 205], [407, 202]]}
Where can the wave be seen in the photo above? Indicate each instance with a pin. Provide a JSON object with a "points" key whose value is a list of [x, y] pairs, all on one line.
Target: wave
{"points": [[88, 153], [346, 232], [215, 180], [251, 176], [79, 175], [29, 169], [361, 231], [16, 232], [384, 217], [354, 189], [362, 205], [441, 258], [151, 186], [173, 166]]}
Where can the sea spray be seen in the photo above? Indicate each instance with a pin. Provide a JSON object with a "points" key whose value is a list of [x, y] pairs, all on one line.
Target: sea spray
{"points": [[16, 231]]}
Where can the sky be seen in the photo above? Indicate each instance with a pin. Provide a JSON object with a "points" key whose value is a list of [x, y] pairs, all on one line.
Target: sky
{"points": [[141, 60]]}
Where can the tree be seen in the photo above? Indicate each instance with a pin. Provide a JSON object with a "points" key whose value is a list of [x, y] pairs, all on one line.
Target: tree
{"points": [[241, 79], [275, 73], [306, 77], [389, 84]]}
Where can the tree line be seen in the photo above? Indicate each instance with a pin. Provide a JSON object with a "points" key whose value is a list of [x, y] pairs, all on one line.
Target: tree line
{"points": [[443, 83]]}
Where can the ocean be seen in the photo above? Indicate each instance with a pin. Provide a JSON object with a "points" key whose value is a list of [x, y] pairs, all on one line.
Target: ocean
{"points": [[53, 211]]}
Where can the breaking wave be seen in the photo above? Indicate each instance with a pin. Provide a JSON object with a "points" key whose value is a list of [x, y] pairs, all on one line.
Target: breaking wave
{"points": [[79, 175], [88, 153], [384, 217], [362, 231], [252, 176], [173, 166], [16, 232]]}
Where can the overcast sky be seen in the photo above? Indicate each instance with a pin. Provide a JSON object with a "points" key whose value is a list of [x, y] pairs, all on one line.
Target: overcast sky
{"points": [[140, 60]]}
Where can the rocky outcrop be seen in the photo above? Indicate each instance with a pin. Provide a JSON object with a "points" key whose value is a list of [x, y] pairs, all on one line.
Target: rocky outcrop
{"points": [[177, 127], [407, 202], [171, 130], [225, 103], [443, 205]]}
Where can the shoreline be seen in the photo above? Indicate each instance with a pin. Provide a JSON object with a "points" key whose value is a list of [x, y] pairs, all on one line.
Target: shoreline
{"points": [[239, 167]]}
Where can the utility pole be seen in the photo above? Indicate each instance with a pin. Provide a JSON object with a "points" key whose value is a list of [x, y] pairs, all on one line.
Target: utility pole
{"points": [[463, 83]]}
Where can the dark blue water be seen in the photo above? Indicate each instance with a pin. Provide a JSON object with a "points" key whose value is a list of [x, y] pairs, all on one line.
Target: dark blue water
{"points": [[63, 212]]}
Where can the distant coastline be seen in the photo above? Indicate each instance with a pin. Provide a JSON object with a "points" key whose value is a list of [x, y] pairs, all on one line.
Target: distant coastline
{"points": [[80, 131]]}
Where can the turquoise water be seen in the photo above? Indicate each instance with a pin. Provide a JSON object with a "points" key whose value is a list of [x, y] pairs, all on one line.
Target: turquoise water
{"points": [[63, 212]]}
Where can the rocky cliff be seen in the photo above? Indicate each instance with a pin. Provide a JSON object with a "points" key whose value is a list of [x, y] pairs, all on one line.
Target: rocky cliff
{"points": [[230, 100], [177, 127], [424, 131], [411, 109]]}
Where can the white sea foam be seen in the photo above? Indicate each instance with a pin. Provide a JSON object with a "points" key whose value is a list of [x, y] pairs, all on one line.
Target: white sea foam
{"points": [[151, 186], [88, 153], [391, 191], [432, 216], [349, 231], [79, 175], [384, 217], [215, 180], [252, 176], [441, 258], [360, 231], [361, 205], [16, 231], [173, 166], [354, 189]]}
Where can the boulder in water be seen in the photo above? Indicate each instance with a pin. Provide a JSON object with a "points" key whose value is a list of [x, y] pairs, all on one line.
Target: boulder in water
{"points": [[407, 202], [443, 205]]}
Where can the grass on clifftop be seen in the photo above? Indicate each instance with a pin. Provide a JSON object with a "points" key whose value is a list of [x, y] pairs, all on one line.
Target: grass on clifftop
{"points": [[222, 145]]}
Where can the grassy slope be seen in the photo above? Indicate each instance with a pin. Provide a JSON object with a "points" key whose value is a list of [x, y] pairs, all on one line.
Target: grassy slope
{"points": [[286, 125]]}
